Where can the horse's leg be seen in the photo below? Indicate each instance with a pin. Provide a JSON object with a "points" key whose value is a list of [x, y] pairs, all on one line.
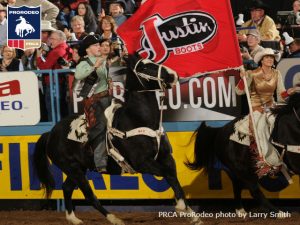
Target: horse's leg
{"points": [[87, 191], [260, 197], [237, 192], [167, 169], [68, 188]]}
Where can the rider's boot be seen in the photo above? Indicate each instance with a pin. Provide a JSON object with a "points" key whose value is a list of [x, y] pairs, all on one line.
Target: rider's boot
{"points": [[100, 157]]}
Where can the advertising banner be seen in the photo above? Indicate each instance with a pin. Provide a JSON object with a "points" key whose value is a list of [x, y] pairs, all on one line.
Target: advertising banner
{"points": [[19, 99], [24, 27], [19, 181], [210, 97]]}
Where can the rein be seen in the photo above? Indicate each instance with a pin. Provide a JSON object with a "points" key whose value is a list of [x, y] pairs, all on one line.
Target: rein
{"points": [[298, 118], [111, 131], [148, 77]]}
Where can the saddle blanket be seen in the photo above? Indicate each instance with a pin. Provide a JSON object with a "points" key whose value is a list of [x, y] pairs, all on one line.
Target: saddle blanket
{"points": [[78, 130], [241, 132]]}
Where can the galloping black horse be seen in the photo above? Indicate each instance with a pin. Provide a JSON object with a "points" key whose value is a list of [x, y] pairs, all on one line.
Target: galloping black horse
{"points": [[213, 144], [145, 154]]}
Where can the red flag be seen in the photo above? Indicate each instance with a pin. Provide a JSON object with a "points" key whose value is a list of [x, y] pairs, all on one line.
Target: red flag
{"points": [[190, 36]]}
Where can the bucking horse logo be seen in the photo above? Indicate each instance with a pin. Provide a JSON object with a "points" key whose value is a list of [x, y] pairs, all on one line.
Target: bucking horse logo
{"points": [[25, 22], [23, 26]]}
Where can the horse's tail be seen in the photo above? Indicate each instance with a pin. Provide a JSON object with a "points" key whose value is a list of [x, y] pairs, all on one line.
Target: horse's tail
{"points": [[41, 164], [204, 151]]}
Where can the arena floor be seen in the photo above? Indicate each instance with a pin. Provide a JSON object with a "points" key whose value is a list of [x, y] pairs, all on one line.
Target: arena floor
{"points": [[141, 218]]}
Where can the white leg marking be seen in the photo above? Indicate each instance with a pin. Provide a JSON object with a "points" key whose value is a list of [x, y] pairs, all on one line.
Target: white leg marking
{"points": [[241, 213], [282, 215], [114, 220], [180, 206], [73, 219]]}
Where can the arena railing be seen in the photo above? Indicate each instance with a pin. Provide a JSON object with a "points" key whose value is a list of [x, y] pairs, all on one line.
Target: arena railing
{"points": [[41, 127]]}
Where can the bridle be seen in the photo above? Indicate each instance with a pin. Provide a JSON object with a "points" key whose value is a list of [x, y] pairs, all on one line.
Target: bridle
{"points": [[157, 134], [147, 77]]}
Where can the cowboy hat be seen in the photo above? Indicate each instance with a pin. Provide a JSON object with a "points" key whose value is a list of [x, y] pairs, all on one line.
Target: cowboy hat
{"points": [[87, 42], [121, 2], [267, 51], [254, 32], [287, 38], [2, 8], [258, 4], [46, 26]]}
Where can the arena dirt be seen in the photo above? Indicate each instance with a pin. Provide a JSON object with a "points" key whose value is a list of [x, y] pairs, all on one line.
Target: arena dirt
{"points": [[93, 218]]}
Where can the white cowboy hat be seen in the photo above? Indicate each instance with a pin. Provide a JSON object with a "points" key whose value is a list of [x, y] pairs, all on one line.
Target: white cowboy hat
{"points": [[288, 39], [46, 26], [267, 51], [2, 8]]}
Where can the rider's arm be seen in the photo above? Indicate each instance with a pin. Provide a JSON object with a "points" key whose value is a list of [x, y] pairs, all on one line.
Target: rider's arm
{"points": [[83, 69], [240, 87]]}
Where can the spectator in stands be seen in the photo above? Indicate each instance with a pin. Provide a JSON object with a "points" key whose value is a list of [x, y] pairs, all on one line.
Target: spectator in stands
{"points": [[108, 53], [9, 62], [130, 6], [262, 22], [49, 10], [116, 10], [85, 11], [3, 26], [60, 49], [46, 30], [253, 40], [96, 6], [77, 25], [294, 48], [75, 57], [29, 59], [296, 8], [107, 28], [64, 17]]}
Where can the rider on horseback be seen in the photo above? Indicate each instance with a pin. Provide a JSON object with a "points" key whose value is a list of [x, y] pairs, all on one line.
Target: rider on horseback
{"points": [[262, 83], [94, 72]]}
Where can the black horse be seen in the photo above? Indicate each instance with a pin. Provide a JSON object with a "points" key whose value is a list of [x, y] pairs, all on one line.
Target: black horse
{"points": [[145, 154], [214, 144]]}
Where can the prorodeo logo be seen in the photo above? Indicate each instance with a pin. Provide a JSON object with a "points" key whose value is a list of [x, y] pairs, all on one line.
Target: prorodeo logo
{"points": [[24, 27], [181, 34]]}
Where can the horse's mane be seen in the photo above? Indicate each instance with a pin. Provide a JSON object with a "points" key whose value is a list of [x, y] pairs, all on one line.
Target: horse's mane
{"points": [[293, 102], [279, 111]]}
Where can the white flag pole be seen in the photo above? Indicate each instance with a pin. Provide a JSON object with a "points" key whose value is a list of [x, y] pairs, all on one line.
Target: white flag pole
{"points": [[251, 113]]}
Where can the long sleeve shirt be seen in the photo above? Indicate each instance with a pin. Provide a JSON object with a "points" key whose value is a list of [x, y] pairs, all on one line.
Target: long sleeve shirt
{"points": [[83, 69], [261, 90], [50, 61], [266, 28], [49, 10]]}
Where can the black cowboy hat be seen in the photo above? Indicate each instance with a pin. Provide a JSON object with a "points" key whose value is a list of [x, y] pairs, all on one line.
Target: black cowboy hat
{"points": [[87, 42], [121, 2], [258, 4]]}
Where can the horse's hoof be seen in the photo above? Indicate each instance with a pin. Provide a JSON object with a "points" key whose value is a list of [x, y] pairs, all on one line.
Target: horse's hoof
{"points": [[241, 213], [114, 220], [199, 223], [71, 218], [282, 215]]}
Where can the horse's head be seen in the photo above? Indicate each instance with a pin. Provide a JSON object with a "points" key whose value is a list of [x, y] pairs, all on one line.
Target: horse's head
{"points": [[150, 75]]}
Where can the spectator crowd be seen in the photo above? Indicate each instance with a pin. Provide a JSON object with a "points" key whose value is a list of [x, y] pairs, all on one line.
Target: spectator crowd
{"points": [[65, 23]]}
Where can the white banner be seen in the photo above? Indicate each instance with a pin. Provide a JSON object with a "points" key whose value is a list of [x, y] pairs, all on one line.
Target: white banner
{"points": [[19, 99]]}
